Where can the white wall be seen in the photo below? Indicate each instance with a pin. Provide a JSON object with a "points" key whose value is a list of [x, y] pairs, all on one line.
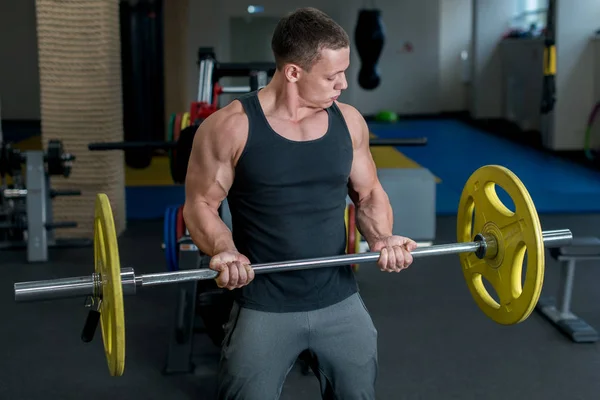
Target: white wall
{"points": [[455, 39], [423, 81], [491, 20], [427, 80], [410, 81], [19, 75], [574, 72]]}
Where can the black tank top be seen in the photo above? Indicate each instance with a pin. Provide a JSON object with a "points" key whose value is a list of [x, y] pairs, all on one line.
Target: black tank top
{"points": [[287, 202]]}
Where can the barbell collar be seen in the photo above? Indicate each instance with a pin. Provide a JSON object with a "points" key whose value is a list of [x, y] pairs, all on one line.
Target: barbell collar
{"points": [[90, 286], [129, 281]]}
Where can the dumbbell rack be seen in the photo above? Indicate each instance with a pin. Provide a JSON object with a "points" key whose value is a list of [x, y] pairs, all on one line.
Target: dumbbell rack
{"points": [[26, 217]]}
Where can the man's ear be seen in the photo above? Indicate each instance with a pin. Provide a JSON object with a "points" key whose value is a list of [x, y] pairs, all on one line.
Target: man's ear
{"points": [[292, 72]]}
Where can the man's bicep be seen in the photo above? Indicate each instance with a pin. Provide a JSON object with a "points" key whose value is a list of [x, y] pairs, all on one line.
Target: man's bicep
{"points": [[363, 175], [210, 169]]}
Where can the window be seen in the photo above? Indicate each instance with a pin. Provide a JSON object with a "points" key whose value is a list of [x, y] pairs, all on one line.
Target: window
{"points": [[530, 13]]}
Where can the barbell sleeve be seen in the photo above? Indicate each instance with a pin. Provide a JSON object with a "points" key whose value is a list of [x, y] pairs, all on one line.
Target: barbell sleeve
{"points": [[557, 238], [88, 285], [52, 289]]}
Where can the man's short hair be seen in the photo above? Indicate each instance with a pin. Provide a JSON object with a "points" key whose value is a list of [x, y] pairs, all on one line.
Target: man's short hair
{"points": [[300, 36]]}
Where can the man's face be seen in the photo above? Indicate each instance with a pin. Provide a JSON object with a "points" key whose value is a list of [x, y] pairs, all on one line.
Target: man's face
{"points": [[323, 84]]}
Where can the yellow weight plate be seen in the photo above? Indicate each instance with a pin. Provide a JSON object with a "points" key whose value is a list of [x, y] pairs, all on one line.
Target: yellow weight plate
{"points": [[517, 233], [185, 120], [107, 266]]}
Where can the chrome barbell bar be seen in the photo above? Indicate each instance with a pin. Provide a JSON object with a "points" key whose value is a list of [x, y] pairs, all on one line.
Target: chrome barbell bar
{"points": [[90, 285]]}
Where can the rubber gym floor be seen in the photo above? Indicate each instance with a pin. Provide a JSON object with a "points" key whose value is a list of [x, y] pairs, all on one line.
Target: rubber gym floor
{"points": [[434, 343]]}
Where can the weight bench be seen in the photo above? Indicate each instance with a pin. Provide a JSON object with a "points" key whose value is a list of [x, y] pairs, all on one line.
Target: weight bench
{"points": [[559, 312]]}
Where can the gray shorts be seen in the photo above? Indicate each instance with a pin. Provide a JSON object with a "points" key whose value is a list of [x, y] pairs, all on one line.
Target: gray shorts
{"points": [[260, 348]]}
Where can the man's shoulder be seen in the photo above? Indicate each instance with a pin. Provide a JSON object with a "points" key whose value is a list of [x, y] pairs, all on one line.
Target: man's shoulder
{"points": [[354, 120], [225, 131], [349, 111], [229, 120]]}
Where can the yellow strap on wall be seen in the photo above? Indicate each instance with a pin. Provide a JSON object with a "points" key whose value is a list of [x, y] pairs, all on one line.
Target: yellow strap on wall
{"points": [[550, 60]]}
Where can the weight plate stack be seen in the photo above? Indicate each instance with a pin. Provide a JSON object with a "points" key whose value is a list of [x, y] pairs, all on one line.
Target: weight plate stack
{"points": [[174, 229]]}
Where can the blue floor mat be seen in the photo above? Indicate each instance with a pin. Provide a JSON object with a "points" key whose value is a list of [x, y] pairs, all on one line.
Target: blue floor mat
{"points": [[454, 150]]}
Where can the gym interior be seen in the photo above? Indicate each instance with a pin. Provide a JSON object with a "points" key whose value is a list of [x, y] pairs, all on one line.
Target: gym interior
{"points": [[99, 104]]}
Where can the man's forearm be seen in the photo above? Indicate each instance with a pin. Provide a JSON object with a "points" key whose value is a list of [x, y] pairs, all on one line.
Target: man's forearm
{"points": [[374, 217], [207, 229]]}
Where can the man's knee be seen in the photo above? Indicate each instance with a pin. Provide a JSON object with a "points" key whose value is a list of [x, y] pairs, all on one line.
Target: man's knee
{"points": [[346, 351], [258, 387], [352, 382], [354, 390], [247, 375]]}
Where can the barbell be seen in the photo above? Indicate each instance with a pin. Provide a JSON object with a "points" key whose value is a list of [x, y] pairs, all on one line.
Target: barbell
{"points": [[180, 147], [492, 241], [58, 162]]}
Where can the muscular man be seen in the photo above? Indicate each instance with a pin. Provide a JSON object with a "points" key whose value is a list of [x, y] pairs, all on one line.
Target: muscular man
{"points": [[286, 157]]}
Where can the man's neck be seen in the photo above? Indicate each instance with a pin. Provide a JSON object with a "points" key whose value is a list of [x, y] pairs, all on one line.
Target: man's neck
{"points": [[282, 100]]}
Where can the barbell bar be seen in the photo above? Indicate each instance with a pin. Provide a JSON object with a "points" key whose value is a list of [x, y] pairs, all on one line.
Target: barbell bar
{"points": [[88, 285], [164, 145], [22, 193], [179, 150], [491, 243]]}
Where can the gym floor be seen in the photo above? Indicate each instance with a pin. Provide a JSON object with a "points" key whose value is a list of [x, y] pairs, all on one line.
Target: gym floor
{"points": [[434, 343]]}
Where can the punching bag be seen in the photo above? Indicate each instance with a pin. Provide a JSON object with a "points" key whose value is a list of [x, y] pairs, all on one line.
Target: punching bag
{"points": [[369, 36]]}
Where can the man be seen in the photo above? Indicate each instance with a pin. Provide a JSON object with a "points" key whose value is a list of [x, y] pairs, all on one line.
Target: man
{"points": [[286, 157]]}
